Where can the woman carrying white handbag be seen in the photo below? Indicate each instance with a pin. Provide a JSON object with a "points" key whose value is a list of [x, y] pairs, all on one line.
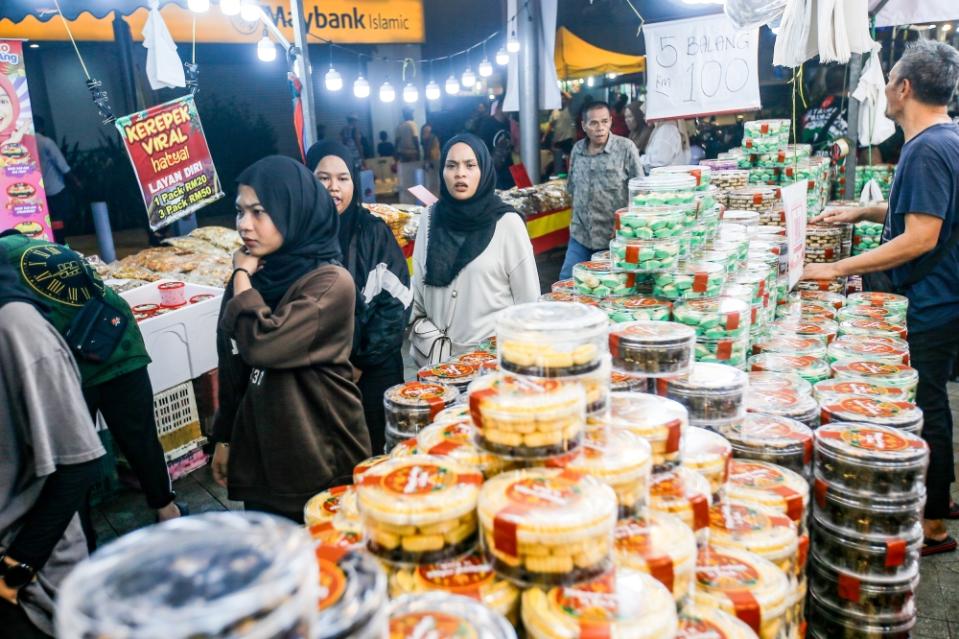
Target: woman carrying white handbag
{"points": [[472, 257]]}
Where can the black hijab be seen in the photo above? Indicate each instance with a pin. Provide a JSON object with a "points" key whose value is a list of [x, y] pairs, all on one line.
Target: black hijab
{"points": [[303, 213], [349, 216], [12, 289], [462, 229]]}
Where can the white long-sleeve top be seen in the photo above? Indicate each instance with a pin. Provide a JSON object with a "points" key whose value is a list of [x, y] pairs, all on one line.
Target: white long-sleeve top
{"points": [[665, 146], [502, 275]]}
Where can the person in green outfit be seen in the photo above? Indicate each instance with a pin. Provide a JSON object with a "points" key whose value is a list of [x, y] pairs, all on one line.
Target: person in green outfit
{"points": [[119, 388]]}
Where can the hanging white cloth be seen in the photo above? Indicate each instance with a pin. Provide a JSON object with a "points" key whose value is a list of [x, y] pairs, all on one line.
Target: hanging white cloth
{"points": [[833, 39], [871, 192], [874, 126], [857, 26], [793, 36], [164, 67]]}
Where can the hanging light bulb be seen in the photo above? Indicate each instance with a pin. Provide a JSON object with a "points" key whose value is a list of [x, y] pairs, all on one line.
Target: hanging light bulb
{"points": [[485, 68], [250, 11], [502, 57], [361, 88], [333, 80], [468, 79], [387, 92], [265, 49], [410, 93], [589, 81], [229, 7], [198, 6], [452, 85], [432, 91], [512, 44]]}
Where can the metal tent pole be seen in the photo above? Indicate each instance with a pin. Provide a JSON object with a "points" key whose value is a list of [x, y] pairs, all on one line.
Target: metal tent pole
{"points": [[528, 27], [852, 125]]}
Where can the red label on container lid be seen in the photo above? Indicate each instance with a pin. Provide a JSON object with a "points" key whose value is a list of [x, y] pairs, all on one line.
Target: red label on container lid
{"points": [[700, 282], [895, 552], [632, 254], [732, 321], [820, 487], [849, 587]]}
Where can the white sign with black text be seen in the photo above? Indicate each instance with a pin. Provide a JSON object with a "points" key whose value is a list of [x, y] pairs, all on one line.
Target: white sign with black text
{"points": [[700, 66], [794, 203]]}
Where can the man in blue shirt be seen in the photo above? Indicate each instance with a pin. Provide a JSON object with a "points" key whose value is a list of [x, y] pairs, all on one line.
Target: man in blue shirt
{"points": [[920, 253]]}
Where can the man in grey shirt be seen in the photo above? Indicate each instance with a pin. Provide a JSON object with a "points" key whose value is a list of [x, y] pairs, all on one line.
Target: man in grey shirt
{"points": [[601, 166]]}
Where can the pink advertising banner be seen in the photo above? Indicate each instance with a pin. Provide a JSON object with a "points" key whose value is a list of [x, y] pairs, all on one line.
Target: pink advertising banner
{"points": [[23, 204]]}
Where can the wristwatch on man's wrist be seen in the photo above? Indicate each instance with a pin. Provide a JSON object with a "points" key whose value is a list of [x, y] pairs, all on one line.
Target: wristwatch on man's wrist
{"points": [[15, 575]]}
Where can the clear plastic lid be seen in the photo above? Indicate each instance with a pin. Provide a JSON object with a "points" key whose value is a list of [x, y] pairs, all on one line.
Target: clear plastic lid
{"points": [[684, 493], [645, 256], [771, 433], [504, 397], [751, 528], [829, 620], [836, 300], [739, 582], [661, 545], [439, 615], [622, 382], [420, 397], [791, 344], [455, 439], [715, 318], [898, 375], [213, 574], [732, 232], [329, 504], [725, 164], [614, 456], [830, 388], [418, 490], [457, 374], [703, 622], [681, 181], [811, 326], [863, 311], [550, 338], [784, 403], [701, 172], [563, 286], [621, 603], [637, 307], [600, 256], [650, 335], [875, 298], [455, 413], [706, 379], [867, 326], [743, 217], [872, 445], [366, 465], [475, 358], [690, 279], [770, 486], [352, 591], [649, 222], [708, 454], [873, 410]]}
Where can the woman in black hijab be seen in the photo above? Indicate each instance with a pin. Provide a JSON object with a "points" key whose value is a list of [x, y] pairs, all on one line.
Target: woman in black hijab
{"points": [[379, 270], [290, 422], [472, 258]]}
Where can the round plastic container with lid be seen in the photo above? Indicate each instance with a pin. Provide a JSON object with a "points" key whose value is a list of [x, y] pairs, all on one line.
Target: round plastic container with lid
{"points": [[885, 349], [685, 494], [618, 458], [708, 454], [352, 595], [720, 164], [549, 339], [456, 374], [225, 574], [419, 508], [547, 526], [784, 403], [650, 222], [873, 410], [807, 327], [866, 236], [563, 286], [829, 620], [744, 217], [366, 465], [600, 256], [339, 501], [702, 622], [662, 190], [599, 279], [867, 326], [712, 393], [745, 585], [823, 243], [730, 179], [780, 381], [411, 406], [717, 318], [690, 280], [829, 389], [719, 256], [658, 420], [752, 198], [652, 349], [835, 285], [868, 513], [869, 459], [871, 555], [525, 417], [836, 300], [791, 345], [444, 616], [769, 438], [891, 301], [895, 375], [866, 595], [345, 532], [864, 311], [471, 576], [732, 352], [738, 248], [751, 528], [645, 256], [455, 413], [769, 486], [456, 440], [660, 545], [702, 173], [621, 603], [621, 382], [637, 308]]}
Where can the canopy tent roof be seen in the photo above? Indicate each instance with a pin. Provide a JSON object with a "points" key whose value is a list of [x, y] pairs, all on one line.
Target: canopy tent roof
{"points": [[576, 58], [897, 12], [43, 10]]}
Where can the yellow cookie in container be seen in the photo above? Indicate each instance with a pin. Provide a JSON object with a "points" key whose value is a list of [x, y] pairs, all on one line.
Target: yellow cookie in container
{"points": [[708, 454], [457, 441], [525, 417], [619, 459], [686, 494], [419, 508], [770, 486], [745, 585], [546, 526], [767, 533], [660, 545], [658, 420], [621, 604], [472, 576], [333, 518], [701, 622]]}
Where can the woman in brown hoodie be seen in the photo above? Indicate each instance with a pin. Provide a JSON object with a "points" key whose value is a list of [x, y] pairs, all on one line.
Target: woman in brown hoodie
{"points": [[290, 422]]}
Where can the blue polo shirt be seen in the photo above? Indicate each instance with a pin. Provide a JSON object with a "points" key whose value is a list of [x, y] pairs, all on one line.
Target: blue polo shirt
{"points": [[927, 181]]}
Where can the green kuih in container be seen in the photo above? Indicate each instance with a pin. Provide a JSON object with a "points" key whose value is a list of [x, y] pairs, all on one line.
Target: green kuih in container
{"points": [[645, 256], [701, 172], [732, 352], [600, 279], [882, 349], [866, 236], [691, 280], [714, 318], [895, 375], [649, 222], [717, 256], [811, 369], [662, 190], [637, 307]]}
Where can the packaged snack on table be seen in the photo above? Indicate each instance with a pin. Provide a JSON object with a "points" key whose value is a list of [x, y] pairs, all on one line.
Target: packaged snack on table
{"points": [[712, 393], [621, 382], [872, 327], [547, 526], [456, 440], [340, 532], [600, 279], [870, 460], [353, 595], [829, 620], [636, 307], [685, 494], [732, 352], [563, 286], [770, 438], [885, 300], [751, 528], [619, 459], [868, 513], [791, 345], [784, 403], [658, 420], [807, 326], [411, 406], [752, 198], [864, 311], [811, 369], [730, 179], [719, 256], [745, 585], [649, 222], [440, 615], [455, 413], [621, 603], [226, 574], [767, 135], [744, 217], [866, 236], [569, 297], [457, 374], [662, 190], [601, 256], [769, 486], [329, 504], [884, 373], [823, 243], [836, 285], [652, 349], [726, 163], [757, 317], [738, 250], [708, 454], [419, 508], [645, 256], [472, 576], [660, 545], [716, 318], [702, 173], [366, 465], [690, 280], [864, 595], [754, 280], [873, 410], [779, 381], [700, 622], [877, 555], [523, 417], [831, 388], [547, 339]]}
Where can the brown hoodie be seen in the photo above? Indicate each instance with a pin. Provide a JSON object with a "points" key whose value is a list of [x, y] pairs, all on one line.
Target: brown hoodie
{"points": [[288, 406]]}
